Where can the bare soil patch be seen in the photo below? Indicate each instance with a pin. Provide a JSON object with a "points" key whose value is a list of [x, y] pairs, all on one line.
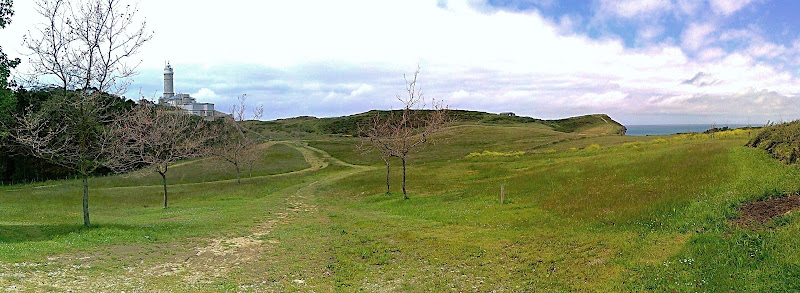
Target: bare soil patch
{"points": [[759, 213]]}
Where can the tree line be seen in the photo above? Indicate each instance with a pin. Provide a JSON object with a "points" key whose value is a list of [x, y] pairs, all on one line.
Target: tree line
{"points": [[80, 124]]}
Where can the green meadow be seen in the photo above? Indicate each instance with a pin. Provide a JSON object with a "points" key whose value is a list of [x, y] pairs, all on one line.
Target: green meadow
{"points": [[585, 210]]}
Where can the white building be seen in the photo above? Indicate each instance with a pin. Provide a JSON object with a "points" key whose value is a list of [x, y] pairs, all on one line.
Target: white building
{"points": [[185, 101]]}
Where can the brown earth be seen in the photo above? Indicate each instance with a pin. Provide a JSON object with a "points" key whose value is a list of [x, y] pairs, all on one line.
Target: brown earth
{"points": [[761, 212]]}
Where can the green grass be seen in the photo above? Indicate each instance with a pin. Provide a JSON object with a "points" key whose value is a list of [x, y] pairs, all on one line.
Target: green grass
{"points": [[583, 213], [279, 158], [598, 220], [458, 141], [40, 221]]}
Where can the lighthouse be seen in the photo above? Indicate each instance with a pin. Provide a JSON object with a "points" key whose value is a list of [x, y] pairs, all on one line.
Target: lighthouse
{"points": [[169, 90], [185, 102]]}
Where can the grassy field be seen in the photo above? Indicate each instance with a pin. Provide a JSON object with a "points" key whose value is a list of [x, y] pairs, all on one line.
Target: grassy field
{"points": [[584, 212]]}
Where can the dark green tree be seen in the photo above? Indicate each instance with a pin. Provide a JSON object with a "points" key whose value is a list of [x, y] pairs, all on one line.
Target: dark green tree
{"points": [[7, 101], [6, 11]]}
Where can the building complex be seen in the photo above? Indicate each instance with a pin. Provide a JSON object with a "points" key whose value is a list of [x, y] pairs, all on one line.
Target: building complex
{"points": [[185, 101]]}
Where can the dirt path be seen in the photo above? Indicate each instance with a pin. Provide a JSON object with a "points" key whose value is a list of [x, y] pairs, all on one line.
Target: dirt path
{"points": [[315, 162], [327, 156], [194, 265]]}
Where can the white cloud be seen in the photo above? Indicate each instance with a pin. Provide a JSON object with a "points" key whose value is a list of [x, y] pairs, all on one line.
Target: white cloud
{"points": [[745, 34], [635, 8], [766, 49], [568, 23], [206, 95], [688, 7], [601, 100], [312, 86], [650, 32], [322, 58], [728, 7], [362, 89], [711, 54], [460, 94], [697, 35]]}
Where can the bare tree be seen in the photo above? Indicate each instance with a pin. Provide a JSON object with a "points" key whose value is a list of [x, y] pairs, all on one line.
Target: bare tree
{"points": [[376, 132], [87, 44], [51, 47], [68, 131], [402, 132], [234, 145], [153, 138], [253, 153]]}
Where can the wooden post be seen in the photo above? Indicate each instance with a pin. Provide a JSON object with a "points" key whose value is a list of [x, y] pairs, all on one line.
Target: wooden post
{"points": [[502, 193]]}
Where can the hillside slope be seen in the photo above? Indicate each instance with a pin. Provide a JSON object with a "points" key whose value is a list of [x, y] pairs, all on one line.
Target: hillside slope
{"points": [[782, 141], [595, 124], [650, 215]]}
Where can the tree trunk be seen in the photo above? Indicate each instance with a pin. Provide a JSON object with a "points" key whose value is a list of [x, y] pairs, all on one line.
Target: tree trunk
{"points": [[238, 178], [86, 200], [164, 180], [387, 177], [405, 196]]}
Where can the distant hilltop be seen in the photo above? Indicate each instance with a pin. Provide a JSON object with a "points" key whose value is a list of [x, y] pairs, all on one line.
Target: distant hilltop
{"points": [[594, 124]]}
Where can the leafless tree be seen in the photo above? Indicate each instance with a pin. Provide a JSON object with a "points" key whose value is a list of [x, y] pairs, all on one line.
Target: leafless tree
{"points": [[234, 145], [153, 138], [86, 44], [402, 132], [253, 153], [376, 131], [68, 131]]}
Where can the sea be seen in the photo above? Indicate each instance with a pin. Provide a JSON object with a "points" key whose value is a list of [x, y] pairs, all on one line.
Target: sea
{"points": [[665, 129]]}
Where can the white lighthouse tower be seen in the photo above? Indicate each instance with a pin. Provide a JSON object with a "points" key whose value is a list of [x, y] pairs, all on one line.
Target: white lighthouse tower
{"points": [[185, 102], [169, 90]]}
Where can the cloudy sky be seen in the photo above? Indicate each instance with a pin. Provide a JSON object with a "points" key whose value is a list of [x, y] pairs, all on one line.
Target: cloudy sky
{"points": [[640, 61]]}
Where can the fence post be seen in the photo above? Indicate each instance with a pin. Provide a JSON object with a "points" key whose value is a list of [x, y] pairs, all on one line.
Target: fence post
{"points": [[502, 193]]}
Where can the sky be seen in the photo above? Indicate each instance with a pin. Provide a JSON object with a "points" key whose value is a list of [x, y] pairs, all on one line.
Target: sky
{"points": [[640, 61]]}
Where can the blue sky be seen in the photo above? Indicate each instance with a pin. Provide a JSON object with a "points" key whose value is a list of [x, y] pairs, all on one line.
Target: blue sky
{"points": [[777, 19], [640, 61]]}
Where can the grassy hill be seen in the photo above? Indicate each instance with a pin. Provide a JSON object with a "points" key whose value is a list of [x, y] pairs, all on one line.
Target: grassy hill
{"points": [[583, 212], [597, 124]]}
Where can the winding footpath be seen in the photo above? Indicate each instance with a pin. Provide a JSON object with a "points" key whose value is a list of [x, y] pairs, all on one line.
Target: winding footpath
{"points": [[195, 265], [310, 155]]}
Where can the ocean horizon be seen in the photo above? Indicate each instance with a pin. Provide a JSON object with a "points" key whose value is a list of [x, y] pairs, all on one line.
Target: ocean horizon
{"points": [[666, 129]]}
